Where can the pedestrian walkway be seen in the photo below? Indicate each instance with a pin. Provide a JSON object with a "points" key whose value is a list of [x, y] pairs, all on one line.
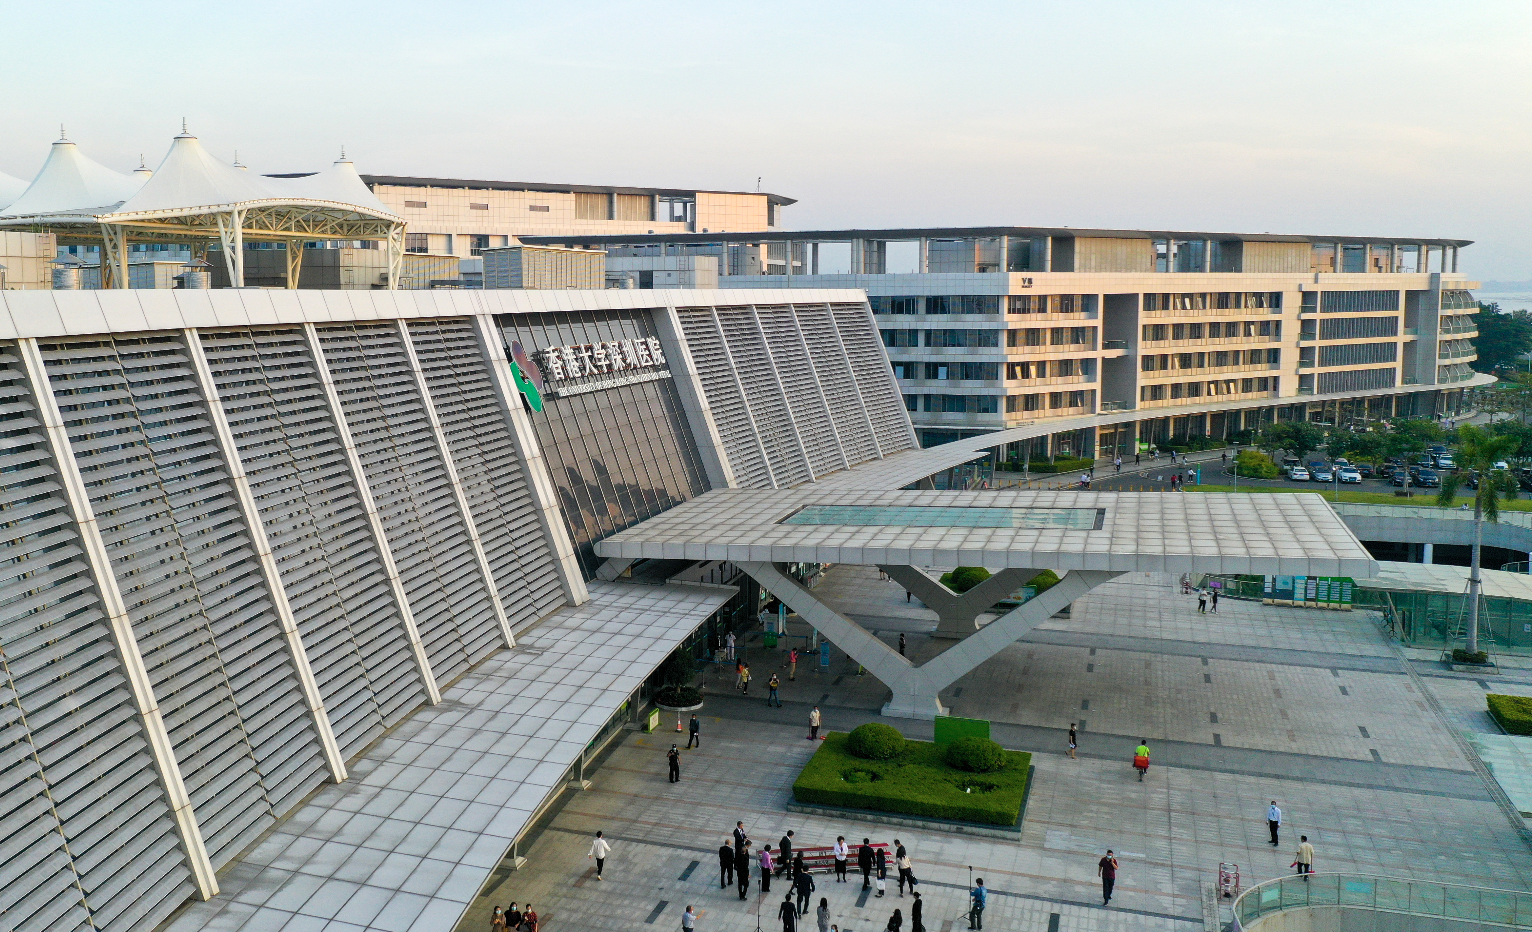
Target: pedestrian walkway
{"points": [[1264, 718]]}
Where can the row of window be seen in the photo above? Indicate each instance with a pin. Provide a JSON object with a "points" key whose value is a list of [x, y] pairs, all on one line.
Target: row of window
{"points": [[1208, 388], [990, 404], [1351, 302], [1357, 328], [1356, 380], [1052, 336], [936, 304], [1212, 300], [1048, 401], [1056, 368], [1050, 303], [1213, 330], [1152, 362], [1358, 354], [943, 371]]}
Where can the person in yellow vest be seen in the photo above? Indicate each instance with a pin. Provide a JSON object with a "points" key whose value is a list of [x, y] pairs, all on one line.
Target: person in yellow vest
{"points": [[1304, 859]]}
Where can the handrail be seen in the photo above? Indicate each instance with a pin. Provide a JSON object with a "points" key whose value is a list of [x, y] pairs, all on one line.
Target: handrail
{"points": [[1508, 909]]}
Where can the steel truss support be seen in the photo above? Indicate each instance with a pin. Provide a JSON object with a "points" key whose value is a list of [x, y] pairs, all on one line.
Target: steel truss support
{"points": [[958, 614], [294, 262], [395, 255], [231, 236], [114, 256], [916, 689]]}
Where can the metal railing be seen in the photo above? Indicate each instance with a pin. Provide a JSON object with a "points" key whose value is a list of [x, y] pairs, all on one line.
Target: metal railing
{"points": [[1114, 344], [1504, 908]]}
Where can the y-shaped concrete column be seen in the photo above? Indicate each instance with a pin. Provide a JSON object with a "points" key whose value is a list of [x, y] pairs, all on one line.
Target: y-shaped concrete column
{"points": [[957, 614], [916, 688]]}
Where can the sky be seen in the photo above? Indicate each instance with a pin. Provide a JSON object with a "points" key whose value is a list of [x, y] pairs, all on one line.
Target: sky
{"points": [[1365, 118]]}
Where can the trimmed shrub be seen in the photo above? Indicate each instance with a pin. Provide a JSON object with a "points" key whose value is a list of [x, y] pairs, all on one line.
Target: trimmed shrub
{"points": [[975, 755], [1514, 713], [917, 782], [1256, 465], [1061, 464], [678, 697], [875, 741], [1044, 581], [964, 578], [1459, 655]]}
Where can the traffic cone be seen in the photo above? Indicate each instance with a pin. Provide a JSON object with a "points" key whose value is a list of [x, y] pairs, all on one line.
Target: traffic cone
{"points": [[678, 723]]}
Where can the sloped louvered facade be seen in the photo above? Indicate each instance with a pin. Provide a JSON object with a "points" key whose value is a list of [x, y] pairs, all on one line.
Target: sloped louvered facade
{"points": [[244, 534]]}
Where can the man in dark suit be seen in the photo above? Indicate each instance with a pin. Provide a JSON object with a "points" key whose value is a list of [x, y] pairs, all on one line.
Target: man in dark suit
{"points": [[785, 852], [725, 864], [864, 861]]}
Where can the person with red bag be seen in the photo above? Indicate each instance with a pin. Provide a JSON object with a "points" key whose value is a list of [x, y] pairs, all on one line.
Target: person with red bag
{"points": [[1141, 758]]}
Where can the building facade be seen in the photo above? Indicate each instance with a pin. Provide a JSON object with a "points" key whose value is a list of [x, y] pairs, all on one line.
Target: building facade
{"points": [[1165, 335], [250, 532]]}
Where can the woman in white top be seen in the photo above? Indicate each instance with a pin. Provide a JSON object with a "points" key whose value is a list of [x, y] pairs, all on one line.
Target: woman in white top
{"points": [[842, 851]]}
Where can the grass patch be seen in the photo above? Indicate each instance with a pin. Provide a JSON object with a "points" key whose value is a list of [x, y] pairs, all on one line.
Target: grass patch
{"points": [[1514, 713], [917, 782]]}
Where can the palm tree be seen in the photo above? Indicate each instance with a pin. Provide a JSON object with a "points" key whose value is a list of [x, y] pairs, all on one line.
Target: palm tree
{"points": [[1479, 450]]}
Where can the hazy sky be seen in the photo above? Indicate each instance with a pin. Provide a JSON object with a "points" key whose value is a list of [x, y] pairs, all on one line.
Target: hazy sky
{"points": [[1393, 118]]}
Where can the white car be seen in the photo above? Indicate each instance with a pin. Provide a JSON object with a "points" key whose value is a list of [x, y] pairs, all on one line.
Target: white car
{"points": [[1348, 474], [1299, 474], [1500, 464]]}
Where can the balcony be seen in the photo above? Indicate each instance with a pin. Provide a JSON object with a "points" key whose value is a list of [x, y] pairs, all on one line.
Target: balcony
{"points": [[1469, 353], [1107, 407], [1114, 344]]}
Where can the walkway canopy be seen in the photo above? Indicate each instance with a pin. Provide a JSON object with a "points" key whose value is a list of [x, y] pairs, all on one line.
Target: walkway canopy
{"points": [[193, 197]]}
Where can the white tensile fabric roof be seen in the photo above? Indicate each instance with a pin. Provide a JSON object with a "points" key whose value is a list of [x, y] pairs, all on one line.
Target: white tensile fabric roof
{"points": [[189, 181], [10, 189]]}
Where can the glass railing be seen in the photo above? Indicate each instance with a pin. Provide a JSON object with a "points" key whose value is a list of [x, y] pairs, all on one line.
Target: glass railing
{"points": [[1114, 344], [1508, 909]]}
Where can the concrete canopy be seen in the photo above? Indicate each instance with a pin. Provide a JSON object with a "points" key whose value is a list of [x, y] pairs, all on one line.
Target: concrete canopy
{"points": [[1135, 532]]}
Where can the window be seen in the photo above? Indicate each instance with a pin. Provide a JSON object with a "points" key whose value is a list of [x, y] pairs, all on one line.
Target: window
{"points": [[473, 206], [887, 305], [1333, 302], [417, 242], [900, 339], [1064, 367], [418, 205], [912, 402], [973, 339], [1155, 331], [1353, 258], [477, 243], [1354, 380], [538, 208], [1031, 336], [1357, 328], [1357, 354]]}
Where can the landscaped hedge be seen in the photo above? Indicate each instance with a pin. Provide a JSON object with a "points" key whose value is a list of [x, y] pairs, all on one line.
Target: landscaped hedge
{"points": [[1060, 464], [1514, 713], [917, 782], [1255, 465], [975, 755], [875, 741]]}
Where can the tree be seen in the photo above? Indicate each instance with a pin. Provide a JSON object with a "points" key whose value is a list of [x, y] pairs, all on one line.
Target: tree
{"points": [[1479, 450], [1521, 431], [1502, 337], [1299, 438], [1343, 443]]}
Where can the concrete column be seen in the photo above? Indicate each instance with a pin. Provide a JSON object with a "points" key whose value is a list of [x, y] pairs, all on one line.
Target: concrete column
{"points": [[787, 257], [72, 486], [815, 266], [374, 521], [858, 256], [916, 689], [1427, 553], [269, 571], [925, 255], [459, 497], [957, 614]]}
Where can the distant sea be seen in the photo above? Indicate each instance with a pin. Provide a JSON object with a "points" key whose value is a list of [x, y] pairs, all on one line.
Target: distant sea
{"points": [[1511, 296]]}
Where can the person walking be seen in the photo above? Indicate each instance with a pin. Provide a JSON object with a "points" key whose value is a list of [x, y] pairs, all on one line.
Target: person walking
{"points": [[880, 864], [977, 898], [739, 673], [785, 853], [1304, 859], [814, 723], [1117, 462], [1202, 602], [1274, 821], [1213, 601], [864, 862], [742, 869], [841, 852], [1107, 869], [902, 864], [803, 883], [788, 913], [497, 920], [823, 914], [901, 643], [792, 664], [1137, 459], [513, 918], [688, 919], [599, 849], [529, 921], [1074, 741], [916, 925], [674, 756], [692, 729], [1226, 457], [725, 865], [895, 922], [744, 678], [772, 685], [1141, 758], [728, 646], [767, 866]]}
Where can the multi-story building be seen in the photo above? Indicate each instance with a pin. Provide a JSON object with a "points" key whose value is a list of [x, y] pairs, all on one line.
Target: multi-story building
{"points": [[450, 216], [1151, 336]]}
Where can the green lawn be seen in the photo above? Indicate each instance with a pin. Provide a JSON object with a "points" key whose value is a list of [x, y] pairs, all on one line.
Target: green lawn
{"points": [[917, 783], [1423, 498]]}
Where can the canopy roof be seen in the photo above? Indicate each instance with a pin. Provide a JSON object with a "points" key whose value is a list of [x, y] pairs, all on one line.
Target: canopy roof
{"points": [[1125, 531], [190, 184], [10, 189]]}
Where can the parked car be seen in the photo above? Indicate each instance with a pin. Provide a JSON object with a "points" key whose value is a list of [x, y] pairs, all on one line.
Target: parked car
{"points": [[1445, 461], [1298, 474], [1340, 461], [1425, 461], [1428, 479], [1500, 464], [1399, 478], [1348, 474], [1322, 474], [1367, 470]]}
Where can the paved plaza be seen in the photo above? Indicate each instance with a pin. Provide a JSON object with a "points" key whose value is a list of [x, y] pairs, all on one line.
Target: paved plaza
{"points": [[1315, 709]]}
